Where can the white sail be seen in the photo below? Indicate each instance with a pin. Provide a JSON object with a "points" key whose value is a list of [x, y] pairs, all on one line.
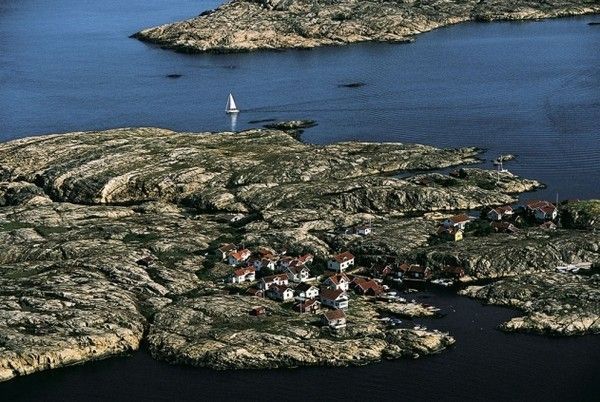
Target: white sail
{"points": [[231, 106]]}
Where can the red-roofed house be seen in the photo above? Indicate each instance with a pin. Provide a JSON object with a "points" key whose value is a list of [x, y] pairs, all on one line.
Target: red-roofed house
{"points": [[337, 281], [298, 273], [306, 291], [335, 319], [224, 250], [450, 233], [367, 287], [308, 306], [238, 257], [382, 271], [417, 273], [280, 292], [241, 275], [504, 227], [267, 281], [545, 213], [341, 262], [334, 298], [499, 213], [268, 261], [457, 221]]}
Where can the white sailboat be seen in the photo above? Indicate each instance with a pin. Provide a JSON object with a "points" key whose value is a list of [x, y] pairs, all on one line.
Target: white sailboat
{"points": [[231, 106]]}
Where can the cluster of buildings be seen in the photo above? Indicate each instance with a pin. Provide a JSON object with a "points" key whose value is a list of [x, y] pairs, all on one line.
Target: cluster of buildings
{"points": [[543, 213], [288, 279], [503, 219], [415, 273], [453, 228], [249, 264]]}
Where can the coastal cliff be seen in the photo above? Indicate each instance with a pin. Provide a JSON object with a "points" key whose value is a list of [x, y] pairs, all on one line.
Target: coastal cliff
{"points": [[81, 214], [245, 25]]}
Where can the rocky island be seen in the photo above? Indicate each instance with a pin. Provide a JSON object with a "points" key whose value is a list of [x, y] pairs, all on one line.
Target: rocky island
{"points": [[109, 238], [245, 25]]}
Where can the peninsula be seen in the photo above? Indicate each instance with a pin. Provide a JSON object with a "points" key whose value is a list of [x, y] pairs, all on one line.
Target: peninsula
{"points": [[255, 250], [246, 25]]}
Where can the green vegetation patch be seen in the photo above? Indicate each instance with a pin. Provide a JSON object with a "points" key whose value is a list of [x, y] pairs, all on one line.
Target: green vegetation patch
{"points": [[10, 226]]}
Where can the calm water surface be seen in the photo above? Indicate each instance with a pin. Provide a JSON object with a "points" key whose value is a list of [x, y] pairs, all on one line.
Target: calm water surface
{"points": [[532, 89]]}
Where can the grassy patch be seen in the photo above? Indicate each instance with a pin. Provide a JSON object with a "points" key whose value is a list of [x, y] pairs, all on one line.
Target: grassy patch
{"points": [[49, 230], [9, 226], [140, 237]]}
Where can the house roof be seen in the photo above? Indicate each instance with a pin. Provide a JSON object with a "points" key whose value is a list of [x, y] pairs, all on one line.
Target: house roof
{"points": [[547, 209], [331, 294], [253, 290], [303, 287], [459, 218], [502, 210], [366, 284], [343, 257], [305, 258], [382, 268], [307, 303], [240, 254], [338, 278], [535, 204], [404, 267], [297, 269], [449, 231], [244, 271], [279, 288], [272, 278], [227, 247], [334, 315]]}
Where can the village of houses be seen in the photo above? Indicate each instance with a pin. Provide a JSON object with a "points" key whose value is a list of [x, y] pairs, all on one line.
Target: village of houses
{"points": [[288, 279]]}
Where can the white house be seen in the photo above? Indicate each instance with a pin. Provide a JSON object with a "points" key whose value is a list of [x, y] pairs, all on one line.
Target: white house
{"points": [[334, 298], [241, 275], [267, 262], [237, 257], [341, 262], [298, 274], [306, 258], [338, 281], [267, 281], [280, 292], [546, 213], [308, 306], [363, 230], [457, 221], [224, 250], [307, 291], [499, 213], [335, 319]]}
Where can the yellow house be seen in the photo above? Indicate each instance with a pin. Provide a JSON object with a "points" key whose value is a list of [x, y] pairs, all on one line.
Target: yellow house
{"points": [[454, 234]]}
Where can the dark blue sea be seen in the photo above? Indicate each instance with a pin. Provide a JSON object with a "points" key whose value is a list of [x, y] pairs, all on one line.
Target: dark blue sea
{"points": [[530, 89]]}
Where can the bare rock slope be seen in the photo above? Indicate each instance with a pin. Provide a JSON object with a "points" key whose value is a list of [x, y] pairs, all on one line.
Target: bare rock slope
{"points": [[244, 25], [78, 211]]}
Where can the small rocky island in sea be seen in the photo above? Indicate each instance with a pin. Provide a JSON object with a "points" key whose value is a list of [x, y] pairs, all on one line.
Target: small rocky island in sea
{"points": [[255, 250], [245, 25]]}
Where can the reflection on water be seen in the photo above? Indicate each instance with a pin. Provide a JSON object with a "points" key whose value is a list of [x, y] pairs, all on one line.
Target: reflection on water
{"points": [[233, 118]]}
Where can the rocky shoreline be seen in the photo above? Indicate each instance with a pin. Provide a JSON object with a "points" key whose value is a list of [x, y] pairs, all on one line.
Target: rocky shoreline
{"points": [[79, 211], [247, 25], [554, 304]]}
